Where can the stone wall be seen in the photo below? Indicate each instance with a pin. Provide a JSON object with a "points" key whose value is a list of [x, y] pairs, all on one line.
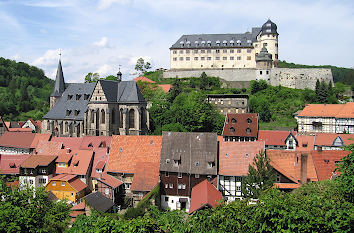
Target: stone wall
{"points": [[299, 78]]}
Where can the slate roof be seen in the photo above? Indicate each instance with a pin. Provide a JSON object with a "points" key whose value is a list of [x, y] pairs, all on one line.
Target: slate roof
{"points": [[235, 157], [38, 160], [16, 160], [17, 139], [241, 126], [58, 112], [204, 194], [59, 85], [99, 202], [325, 162], [239, 40], [194, 150]]}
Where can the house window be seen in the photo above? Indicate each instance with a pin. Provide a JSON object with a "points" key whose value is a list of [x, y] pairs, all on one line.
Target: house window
{"points": [[42, 180], [276, 56], [208, 58], [249, 58], [61, 164], [231, 51], [196, 51], [196, 176], [196, 164], [278, 178], [233, 120], [181, 52], [127, 185], [31, 181], [54, 183], [166, 186], [171, 186], [103, 116], [238, 188], [224, 58], [188, 58], [187, 51], [202, 58], [224, 51], [106, 191], [179, 175], [217, 58], [175, 59], [232, 129], [238, 178], [42, 171], [174, 52], [70, 97], [166, 199], [68, 112], [62, 183], [217, 51], [167, 174], [195, 58], [265, 44], [77, 112], [202, 51], [209, 51], [231, 58], [249, 121], [72, 194], [181, 58], [211, 164], [176, 163], [168, 160], [248, 130], [78, 96], [239, 51]]}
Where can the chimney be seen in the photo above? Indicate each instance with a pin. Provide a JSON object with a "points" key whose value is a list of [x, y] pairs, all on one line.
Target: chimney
{"points": [[303, 171], [68, 150]]}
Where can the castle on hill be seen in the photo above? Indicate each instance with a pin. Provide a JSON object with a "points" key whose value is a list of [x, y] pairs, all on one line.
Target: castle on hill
{"points": [[102, 108], [240, 58]]}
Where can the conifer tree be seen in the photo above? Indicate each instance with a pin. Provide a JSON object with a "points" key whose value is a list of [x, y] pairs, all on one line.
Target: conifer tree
{"points": [[204, 84]]}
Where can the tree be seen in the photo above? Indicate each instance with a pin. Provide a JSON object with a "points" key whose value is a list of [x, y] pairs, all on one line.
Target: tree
{"points": [[92, 77], [346, 177], [204, 83], [260, 177], [141, 66], [176, 89], [30, 210], [317, 87], [254, 87], [323, 93], [111, 77]]}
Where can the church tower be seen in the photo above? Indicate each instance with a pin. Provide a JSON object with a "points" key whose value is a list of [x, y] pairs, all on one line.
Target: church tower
{"points": [[59, 86]]}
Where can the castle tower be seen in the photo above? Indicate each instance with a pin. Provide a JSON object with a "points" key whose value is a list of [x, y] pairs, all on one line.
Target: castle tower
{"points": [[269, 40], [264, 63], [59, 86]]}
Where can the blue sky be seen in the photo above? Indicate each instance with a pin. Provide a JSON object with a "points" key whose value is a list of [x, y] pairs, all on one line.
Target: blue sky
{"points": [[99, 35]]}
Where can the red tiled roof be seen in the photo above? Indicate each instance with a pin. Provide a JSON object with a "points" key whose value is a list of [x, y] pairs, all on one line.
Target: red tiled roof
{"points": [[287, 185], [241, 125], [64, 177], [166, 87], [6, 160], [100, 157], [15, 183], [48, 148], [204, 194], [95, 142], [305, 143], [235, 157], [325, 162], [17, 139], [72, 143], [76, 213], [64, 157], [80, 206], [327, 139], [40, 137], [38, 160], [146, 176], [100, 165], [273, 137], [289, 164], [84, 158], [143, 79], [110, 180], [329, 110], [39, 125], [28, 130], [127, 151]]}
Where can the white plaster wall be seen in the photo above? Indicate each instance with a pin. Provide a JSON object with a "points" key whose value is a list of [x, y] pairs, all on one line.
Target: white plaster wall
{"points": [[173, 202]]}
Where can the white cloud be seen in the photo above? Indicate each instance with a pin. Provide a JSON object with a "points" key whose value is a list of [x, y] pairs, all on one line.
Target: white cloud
{"points": [[103, 4], [16, 57], [49, 58], [102, 43], [105, 70]]}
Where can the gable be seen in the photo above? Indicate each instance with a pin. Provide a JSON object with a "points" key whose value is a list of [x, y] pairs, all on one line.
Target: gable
{"points": [[98, 93], [338, 142]]}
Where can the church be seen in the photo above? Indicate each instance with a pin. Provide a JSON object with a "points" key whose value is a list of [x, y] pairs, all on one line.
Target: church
{"points": [[102, 108]]}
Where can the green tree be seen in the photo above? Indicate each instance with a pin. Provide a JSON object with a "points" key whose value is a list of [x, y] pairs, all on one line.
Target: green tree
{"points": [[111, 77], [260, 177], [142, 66], [346, 177], [254, 87], [176, 89], [204, 83], [92, 77], [317, 87]]}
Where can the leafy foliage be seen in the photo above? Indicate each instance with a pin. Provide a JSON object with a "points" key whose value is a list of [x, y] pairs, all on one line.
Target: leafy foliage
{"points": [[142, 66], [24, 91], [260, 177], [30, 210], [346, 178]]}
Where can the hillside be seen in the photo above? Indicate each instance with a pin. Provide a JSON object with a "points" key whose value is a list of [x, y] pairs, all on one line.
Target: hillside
{"points": [[340, 74], [24, 91]]}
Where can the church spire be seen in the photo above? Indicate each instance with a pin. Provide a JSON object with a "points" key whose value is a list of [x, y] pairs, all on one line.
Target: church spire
{"points": [[59, 86]]}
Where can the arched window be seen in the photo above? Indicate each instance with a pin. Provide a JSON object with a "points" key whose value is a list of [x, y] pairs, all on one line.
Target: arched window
{"points": [[113, 117], [131, 118], [103, 116], [248, 130], [232, 129], [142, 120], [92, 116], [121, 118], [249, 121], [233, 120]]}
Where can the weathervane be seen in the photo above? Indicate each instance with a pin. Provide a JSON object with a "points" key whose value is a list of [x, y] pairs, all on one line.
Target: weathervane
{"points": [[60, 54]]}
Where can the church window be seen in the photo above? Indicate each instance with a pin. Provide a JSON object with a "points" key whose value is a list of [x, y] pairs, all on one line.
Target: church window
{"points": [[142, 122], [103, 116], [131, 118], [113, 117], [92, 117], [121, 118], [48, 125], [66, 126]]}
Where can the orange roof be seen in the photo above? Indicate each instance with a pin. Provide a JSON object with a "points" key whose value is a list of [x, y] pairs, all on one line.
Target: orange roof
{"points": [[273, 137], [94, 142], [17, 139], [329, 110], [288, 163], [48, 148], [166, 87], [38, 160], [305, 143], [100, 160], [73, 180], [327, 139], [110, 180], [20, 129], [287, 185], [146, 176], [82, 157], [72, 143], [10, 164], [40, 137], [204, 194], [143, 79], [235, 157], [127, 151], [80, 206], [325, 162]]}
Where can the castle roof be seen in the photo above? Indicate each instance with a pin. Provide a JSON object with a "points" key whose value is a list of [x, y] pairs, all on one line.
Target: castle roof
{"points": [[206, 41], [59, 85], [269, 28]]}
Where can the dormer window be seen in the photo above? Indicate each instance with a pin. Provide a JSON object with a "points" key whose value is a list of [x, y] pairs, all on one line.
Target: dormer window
{"points": [[233, 120], [86, 96], [102, 144], [99, 170], [249, 121], [12, 165], [176, 163], [70, 97], [211, 164], [68, 112], [167, 161], [78, 96], [232, 129], [76, 163], [248, 130], [77, 112], [61, 164], [90, 145]]}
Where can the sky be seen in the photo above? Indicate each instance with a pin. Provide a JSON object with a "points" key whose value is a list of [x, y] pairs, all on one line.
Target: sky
{"points": [[101, 35]]}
